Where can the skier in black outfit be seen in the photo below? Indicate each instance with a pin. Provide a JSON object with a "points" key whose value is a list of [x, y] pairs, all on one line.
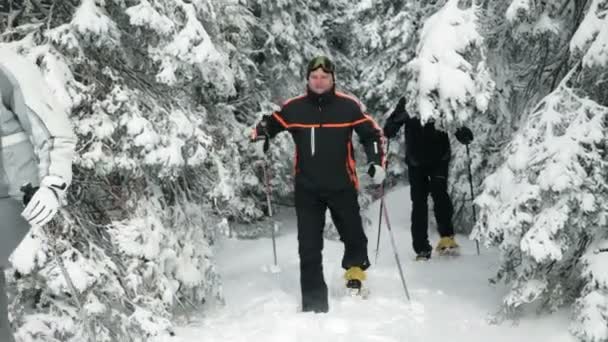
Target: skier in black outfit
{"points": [[321, 123], [428, 156]]}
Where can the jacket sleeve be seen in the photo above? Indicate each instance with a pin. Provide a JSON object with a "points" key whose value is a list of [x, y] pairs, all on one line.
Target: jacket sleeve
{"points": [[41, 118], [371, 137]]}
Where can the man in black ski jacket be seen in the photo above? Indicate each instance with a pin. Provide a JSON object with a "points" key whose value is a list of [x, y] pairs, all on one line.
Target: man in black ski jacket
{"points": [[428, 156], [321, 123]]}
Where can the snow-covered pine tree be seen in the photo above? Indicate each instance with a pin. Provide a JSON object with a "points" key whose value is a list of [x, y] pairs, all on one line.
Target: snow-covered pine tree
{"points": [[545, 206], [526, 52], [142, 80]]}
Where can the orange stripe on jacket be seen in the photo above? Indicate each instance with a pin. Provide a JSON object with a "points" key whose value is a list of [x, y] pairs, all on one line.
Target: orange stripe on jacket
{"points": [[280, 120], [351, 165], [328, 125], [346, 124], [299, 125]]}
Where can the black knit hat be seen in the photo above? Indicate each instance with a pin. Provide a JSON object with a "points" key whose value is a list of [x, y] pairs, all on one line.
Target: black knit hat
{"points": [[322, 62]]}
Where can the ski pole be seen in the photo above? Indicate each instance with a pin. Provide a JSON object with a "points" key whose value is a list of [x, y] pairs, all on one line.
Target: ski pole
{"points": [[390, 231], [388, 147], [28, 191], [268, 195], [269, 203], [472, 195]]}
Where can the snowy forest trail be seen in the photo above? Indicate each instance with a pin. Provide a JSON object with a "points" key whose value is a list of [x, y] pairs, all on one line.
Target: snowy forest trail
{"points": [[451, 297]]}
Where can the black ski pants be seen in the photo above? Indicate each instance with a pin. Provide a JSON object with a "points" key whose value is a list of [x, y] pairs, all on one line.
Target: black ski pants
{"points": [[431, 179], [311, 206]]}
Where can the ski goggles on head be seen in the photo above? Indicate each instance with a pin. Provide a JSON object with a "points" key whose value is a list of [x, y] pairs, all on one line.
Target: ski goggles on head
{"points": [[321, 62]]}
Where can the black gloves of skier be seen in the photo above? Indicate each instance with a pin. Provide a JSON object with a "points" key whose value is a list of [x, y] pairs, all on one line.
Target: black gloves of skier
{"points": [[261, 129], [400, 107], [261, 132], [464, 135]]}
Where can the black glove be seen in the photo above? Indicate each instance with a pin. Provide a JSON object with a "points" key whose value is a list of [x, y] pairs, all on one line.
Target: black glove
{"points": [[400, 108], [398, 115], [261, 132], [388, 134], [464, 135], [262, 127]]}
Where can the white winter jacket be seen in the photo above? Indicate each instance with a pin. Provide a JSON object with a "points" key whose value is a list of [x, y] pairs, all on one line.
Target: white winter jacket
{"points": [[36, 137]]}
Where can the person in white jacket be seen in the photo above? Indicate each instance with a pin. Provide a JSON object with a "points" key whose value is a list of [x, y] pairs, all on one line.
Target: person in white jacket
{"points": [[36, 146]]}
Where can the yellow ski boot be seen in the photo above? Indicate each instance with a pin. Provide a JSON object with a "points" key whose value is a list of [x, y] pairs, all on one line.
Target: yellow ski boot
{"points": [[447, 246], [354, 281]]}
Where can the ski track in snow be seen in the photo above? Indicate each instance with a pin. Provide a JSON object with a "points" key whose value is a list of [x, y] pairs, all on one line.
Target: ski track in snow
{"points": [[451, 297]]}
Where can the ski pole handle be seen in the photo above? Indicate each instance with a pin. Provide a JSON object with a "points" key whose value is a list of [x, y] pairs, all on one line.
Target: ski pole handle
{"points": [[266, 143]]}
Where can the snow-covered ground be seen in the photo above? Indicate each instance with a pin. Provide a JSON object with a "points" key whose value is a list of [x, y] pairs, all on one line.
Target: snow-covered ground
{"points": [[451, 298]]}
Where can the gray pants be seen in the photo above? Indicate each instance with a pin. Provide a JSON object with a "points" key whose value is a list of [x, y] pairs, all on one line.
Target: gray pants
{"points": [[13, 229]]}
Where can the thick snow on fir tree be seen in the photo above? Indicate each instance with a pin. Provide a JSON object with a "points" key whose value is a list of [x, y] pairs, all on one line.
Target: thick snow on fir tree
{"points": [[167, 211]]}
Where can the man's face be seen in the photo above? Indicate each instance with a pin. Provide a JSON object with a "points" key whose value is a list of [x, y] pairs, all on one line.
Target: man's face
{"points": [[320, 81]]}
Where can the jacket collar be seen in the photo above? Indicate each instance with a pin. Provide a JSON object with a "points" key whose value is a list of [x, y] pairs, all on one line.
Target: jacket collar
{"points": [[323, 98]]}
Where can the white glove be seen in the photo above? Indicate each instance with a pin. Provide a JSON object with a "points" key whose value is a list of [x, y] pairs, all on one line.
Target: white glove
{"points": [[377, 173], [46, 201]]}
